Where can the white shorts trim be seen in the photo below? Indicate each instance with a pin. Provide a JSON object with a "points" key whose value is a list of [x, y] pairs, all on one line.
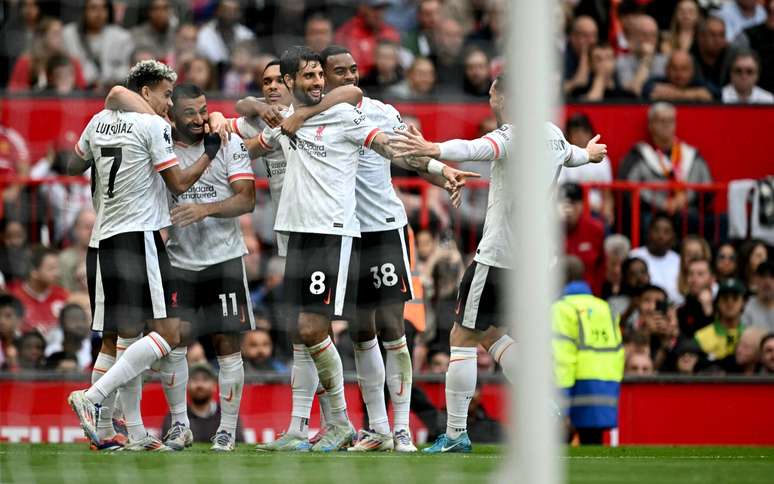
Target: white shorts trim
{"points": [[153, 272], [341, 279], [251, 316], [98, 318], [406, 264], [474, 296]]}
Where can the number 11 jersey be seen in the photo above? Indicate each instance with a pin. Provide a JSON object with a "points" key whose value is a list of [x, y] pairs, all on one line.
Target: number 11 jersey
{"points": [[128, 150]]}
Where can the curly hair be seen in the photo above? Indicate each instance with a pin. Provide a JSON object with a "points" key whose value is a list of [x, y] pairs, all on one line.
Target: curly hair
{"points": [[149, 73]]}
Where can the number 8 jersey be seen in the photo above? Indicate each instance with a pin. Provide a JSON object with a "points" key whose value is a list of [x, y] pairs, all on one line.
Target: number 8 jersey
{"points": [[128, 151]]}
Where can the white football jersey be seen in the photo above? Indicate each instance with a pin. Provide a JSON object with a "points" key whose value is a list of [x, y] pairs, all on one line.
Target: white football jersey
{"points": [[274, 163], [559, 147], [128, 151], [318, 195], [214, 239], [378, 206]]}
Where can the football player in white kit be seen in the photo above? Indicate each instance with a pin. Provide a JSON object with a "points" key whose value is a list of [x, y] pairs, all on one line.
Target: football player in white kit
{"points": [[132, 281], [480, 308], [317, 209]]}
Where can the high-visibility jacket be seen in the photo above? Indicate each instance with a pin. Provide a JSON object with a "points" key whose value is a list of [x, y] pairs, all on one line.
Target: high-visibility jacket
{"points": [[588, 357]]}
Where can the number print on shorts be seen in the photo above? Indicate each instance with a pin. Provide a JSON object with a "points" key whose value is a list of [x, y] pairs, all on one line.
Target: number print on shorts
{"points": [[317, 286], [224, 303], [388, 276]]}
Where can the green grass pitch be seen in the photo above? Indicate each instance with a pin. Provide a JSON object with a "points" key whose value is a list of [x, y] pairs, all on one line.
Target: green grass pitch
{"points": [[68, 463]]}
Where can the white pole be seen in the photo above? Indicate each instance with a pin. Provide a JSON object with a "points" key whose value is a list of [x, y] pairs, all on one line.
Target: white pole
{"points": [[533, 455]]}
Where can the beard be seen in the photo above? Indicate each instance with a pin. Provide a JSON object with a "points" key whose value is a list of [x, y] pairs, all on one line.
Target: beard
{"points": [[305, 98]]}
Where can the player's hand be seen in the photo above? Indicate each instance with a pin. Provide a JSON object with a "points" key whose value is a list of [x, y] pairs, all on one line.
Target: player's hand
{"points": [[596, 151], [272, 115], [456, 197], [410, 142], [211, 145], [455, 179], [290, 125], [218, 124], [188, 213]]}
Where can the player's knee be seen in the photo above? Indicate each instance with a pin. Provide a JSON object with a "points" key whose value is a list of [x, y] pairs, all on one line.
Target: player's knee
{"points": [[461, 336], [311, 334], [489, 337], [391, 323], [226, 343], [108, 344]]}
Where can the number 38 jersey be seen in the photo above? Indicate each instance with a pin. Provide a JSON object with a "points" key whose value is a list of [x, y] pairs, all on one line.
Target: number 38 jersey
{"points": [[128, 151]]}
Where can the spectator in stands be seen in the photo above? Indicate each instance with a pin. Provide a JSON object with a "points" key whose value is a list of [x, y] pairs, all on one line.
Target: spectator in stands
{"points": [[759, 310], [200, 72], [767, 354], [31, 68], [427, 244], [447, 55], [39, 293], [751, 254], [419, 82], [680, 83], [739, 15], [491, 33], [719, 339], [579, 132], [419, 41], [60, 76], [746, 357], [195, 354], [240, 73], [185, 46], [577, 56], [639, 364], [257, 351], [617, 249], [634, 277], [664, 331], [14, 257], [584, 236], [158, 32], [72, 336], [142, 53], [14, 161], [439, 362], [643, 61], [711, 53], [30, 347], [203, 407], [11, 315], [665, 158], [102, 47], [683, 27], [761, 40], [20, 19], [692, 248], [725, 261], [363, 32], [745, 70], [603, 82], [387, 70], [74, 256], [697, 311], [478, 79], [687, 357], [318, 33], [663, 262], [218, 37]]}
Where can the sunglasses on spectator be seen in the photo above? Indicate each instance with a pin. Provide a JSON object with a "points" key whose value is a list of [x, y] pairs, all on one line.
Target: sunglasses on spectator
{"points": [[744, 70]]}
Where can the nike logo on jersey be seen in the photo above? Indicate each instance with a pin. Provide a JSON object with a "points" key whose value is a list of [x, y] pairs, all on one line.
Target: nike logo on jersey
{"points": [[328, 297], [403, 287], [242, 314]]}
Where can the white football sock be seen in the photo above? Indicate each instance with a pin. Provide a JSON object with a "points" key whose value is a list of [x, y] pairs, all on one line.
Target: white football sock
{"points": [[130, 394], [105, 424], [303, 383], [370, 377], [232, 377], [329, 370], [399, 380], [173, 371], [325, 406], [460, 387], [504, 353]]}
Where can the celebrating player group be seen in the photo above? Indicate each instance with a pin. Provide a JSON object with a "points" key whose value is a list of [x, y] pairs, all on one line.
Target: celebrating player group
{"points": [[160, 161]]}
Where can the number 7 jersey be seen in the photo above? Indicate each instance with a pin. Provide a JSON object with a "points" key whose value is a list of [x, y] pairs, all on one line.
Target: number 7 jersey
{"points": [[128, 151]]}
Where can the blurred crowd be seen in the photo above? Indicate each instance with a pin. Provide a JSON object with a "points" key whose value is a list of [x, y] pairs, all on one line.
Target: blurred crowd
{"points": [[671, 50]]}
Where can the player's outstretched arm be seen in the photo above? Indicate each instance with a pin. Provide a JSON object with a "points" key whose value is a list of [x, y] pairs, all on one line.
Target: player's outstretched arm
{"points": [[178, 180], [77, 165], [342, 94], [252, 107], [241, 202], [123, 99], [411, 143]]}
